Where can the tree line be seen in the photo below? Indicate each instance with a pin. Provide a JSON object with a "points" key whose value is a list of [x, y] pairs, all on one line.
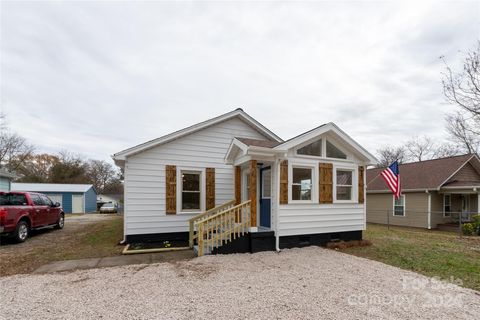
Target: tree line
{"points": [[17, 155], [461, 89]]}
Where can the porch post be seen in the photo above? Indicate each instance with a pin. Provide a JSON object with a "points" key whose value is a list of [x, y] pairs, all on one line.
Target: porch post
{"points": [[478, 203], [238, 185], [253, 193]]}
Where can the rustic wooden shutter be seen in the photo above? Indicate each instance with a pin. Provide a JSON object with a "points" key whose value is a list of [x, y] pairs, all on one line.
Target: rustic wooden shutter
{"points": [[361, 185], [284, 182], [326, 183], [171, 189], [238, 185], [210, 188]]}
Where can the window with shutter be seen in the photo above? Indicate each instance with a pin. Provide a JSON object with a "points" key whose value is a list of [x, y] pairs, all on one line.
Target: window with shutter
{"points": [[171, 189], [210, 188], [284, 182], [326, 183]]}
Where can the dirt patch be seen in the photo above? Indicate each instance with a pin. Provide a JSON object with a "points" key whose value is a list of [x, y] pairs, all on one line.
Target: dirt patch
{"points": [[85, 236]]}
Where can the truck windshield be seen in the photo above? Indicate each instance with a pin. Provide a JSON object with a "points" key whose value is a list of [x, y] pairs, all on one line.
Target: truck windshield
{"points": [[12, 199]]}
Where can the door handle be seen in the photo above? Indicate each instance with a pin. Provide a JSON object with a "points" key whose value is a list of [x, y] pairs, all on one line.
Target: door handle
{"points": [[38, 210]]}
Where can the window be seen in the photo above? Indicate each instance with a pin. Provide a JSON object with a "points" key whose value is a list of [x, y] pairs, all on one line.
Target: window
{"points": [[312, 149], [334, 152], [447, 205], [46, 200], [399, 206], [191, 191], [36, 200], [12, 199], [301, 184], [344, 184]]}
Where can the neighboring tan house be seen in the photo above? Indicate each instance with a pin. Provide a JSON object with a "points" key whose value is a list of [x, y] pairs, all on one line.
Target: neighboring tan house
{"points": [[306, 190], [433, 192]]}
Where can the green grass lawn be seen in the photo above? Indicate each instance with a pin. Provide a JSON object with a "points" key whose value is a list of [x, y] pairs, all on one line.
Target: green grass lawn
{"points": [[432, 253]]}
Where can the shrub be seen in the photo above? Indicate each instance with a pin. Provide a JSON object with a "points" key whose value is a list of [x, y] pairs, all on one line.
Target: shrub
{"points": [[468, 229], [476, 222]]}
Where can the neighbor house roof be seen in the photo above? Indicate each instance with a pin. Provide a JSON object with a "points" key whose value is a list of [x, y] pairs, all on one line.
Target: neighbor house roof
{"points": [[422, 175], [120, 156], [50, 187]]}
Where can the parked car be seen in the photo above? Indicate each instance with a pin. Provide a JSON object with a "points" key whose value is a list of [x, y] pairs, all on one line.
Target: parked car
{"points": [[22, 212], [109, 207]]}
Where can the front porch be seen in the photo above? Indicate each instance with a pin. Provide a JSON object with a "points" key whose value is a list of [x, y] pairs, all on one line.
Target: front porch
{"points": [[243, 224]]}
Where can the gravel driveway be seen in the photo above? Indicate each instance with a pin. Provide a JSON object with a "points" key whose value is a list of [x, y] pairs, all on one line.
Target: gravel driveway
{"points": [[308, 283]]}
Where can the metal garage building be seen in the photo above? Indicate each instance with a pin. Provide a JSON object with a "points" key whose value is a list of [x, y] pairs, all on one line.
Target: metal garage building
{"points": [[5, 180], [74, 198]]}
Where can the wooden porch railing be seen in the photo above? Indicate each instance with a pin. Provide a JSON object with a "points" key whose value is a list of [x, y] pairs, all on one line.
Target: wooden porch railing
{"points": [[215, 230], [192, 221]]}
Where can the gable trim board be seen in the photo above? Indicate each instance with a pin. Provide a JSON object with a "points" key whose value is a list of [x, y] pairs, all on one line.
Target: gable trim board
{"points": [[231, 151]]}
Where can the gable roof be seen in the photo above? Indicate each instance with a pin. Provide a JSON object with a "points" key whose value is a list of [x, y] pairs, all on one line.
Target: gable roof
{"points": [[327, 127], [196, 127], [50, 187], [258, 143], [429, 174]]}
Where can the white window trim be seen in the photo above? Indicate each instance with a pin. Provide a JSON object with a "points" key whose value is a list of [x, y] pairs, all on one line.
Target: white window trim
{"points": [[444, 212], [404, 206], [314, 168], [354, 183], [180, 188], [347, 157]]}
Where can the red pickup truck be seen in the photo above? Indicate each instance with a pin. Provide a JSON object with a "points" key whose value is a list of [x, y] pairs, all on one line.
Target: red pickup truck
{"points": [[21, 212]]}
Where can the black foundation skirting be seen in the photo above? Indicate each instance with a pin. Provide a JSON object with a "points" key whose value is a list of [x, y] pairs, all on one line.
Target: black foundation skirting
{"points": [[157, 237], [319, 239], [256, 241]]}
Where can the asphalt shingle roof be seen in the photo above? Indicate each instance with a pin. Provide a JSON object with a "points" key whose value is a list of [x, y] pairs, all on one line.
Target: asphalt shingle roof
{"points": [[427, 174]]}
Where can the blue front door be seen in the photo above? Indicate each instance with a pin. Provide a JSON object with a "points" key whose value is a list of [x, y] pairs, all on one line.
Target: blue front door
{"points": [[265, 201]]}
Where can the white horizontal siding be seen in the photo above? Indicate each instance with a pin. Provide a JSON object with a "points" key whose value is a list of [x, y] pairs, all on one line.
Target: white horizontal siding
{"points": [[312, 218], [145, 175], [318, 218]]}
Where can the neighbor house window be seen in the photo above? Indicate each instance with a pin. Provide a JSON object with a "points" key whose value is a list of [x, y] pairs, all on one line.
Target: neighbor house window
{"points": [[312, 149], [344, 184], [302, 183], [334, 152], [447, 205], [399, 206], [191, 194]]}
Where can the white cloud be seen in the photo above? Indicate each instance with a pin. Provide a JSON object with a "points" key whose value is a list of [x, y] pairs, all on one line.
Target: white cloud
{"points": [[96, 78]]}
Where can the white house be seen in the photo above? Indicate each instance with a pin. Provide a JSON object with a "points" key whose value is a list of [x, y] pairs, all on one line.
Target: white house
{"points": [[234, 186]]}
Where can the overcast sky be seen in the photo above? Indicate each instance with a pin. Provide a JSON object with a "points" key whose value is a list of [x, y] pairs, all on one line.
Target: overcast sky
{"points": [[98, 77]]}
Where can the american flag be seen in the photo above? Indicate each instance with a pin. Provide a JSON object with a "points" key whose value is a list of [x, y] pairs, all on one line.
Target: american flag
{"points": [[392, 178]]}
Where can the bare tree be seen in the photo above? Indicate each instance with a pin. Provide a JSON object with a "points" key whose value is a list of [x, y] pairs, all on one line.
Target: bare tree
{"points": [[387, 155], [461, 133], [463, 90], [419, 148], [37, 167], [14, 149], [445, 150], [100, 174]]}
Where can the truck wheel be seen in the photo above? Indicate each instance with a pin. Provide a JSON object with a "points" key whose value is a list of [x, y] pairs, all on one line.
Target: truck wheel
{"points": [[21, 232], [61, 222]]}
